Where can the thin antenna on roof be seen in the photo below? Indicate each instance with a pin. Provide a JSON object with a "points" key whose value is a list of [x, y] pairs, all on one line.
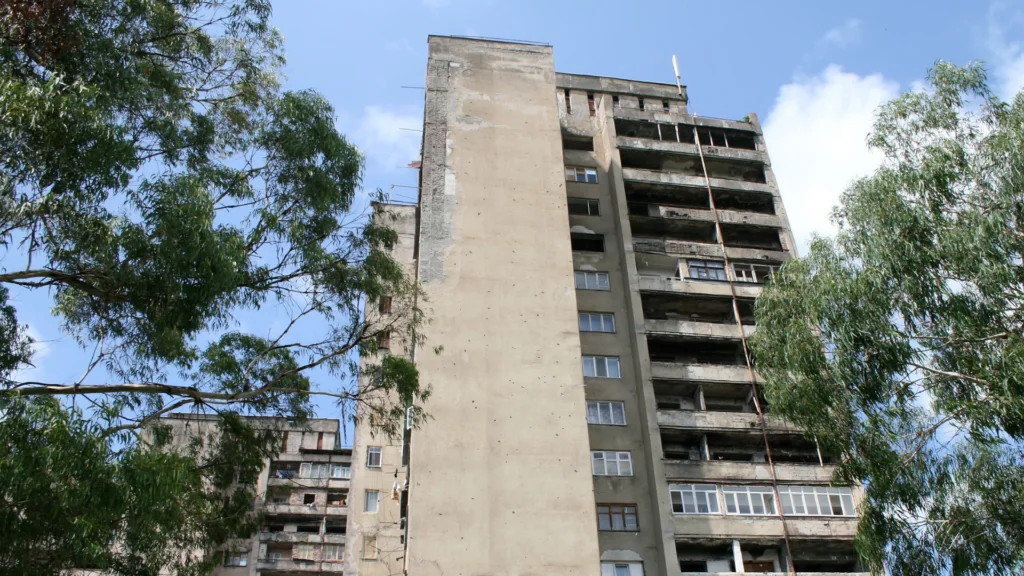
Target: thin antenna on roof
{"points": [[675, 66]]}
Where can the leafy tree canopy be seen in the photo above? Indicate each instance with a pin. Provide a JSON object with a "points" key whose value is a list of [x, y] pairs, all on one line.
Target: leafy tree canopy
{"points": [[155, 183], [898, 344]]}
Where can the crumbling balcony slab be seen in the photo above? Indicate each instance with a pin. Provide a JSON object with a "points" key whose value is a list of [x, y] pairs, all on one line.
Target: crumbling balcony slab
{"points": [[720, 421], [659, 116], [699, 329], [700, 372], [301, 538], [725, 471], [291, 566], [292, 509], [697, 526], [679, 179], [691, 149], [701, 287]]}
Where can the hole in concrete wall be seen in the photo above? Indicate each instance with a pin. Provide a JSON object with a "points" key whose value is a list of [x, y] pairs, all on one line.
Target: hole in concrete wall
{"points": [[309, 498], [636, 129], [667, 195], [718, 310], [741, 201], [674, 229], [745, 236], [664, 105], [689, 165], [587, 242], [686, 133], [568, 103], [335, 527], [584, 143], [640, 103], [736, 170], [591, 104], [825, 556], [667, 348], [615, 100], [308, 528]]}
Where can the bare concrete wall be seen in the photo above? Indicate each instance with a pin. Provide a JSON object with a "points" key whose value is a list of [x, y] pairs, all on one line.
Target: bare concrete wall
{"points": [[500, 479]]}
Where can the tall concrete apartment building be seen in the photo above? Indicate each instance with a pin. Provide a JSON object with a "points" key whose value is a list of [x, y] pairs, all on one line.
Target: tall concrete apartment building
{"points": [[590, 252]]}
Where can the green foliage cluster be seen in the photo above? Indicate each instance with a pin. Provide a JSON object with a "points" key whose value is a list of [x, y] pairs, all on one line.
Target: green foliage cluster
{"points": [[898, 344], [156, 182]]}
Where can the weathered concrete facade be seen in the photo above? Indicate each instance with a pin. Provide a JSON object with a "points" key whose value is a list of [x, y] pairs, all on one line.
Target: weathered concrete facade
{"points": [[303, 493], [590, 252]]}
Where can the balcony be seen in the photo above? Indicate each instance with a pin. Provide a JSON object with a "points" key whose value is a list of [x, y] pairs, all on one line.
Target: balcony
{"points": [[641, 209], [725, 471], [692, 179], [696, 329], [267, 566], [302, 509], [631, 143], [720, 421], [299, 482], [700, 372], [652, 283], [301, 537], [710, 525]]}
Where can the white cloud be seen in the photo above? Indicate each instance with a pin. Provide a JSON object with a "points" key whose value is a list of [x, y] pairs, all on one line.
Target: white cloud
{"points": [[816, 136], [843, 35], [40, 350], [1007, 56], [390, 139]]}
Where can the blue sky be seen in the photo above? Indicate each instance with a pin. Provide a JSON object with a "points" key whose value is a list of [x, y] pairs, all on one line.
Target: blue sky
{"points": [[813, 71]]}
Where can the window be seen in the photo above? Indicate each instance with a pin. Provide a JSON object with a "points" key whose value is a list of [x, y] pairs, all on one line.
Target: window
{"points": [[584, 207], [236, 558], [694, 498], [613, 413], [385, 305], [758, 273], [313, 470], [592, 281], [617, 517], [615, 100], [371, 501], [816, 501], [749, 500], [601, 366], [302, 552], [373, 456], [640, 103], [581, 174], [706, 269], [664, 105], [309, 498], [336, 498], [622, 569], [320, 441], [607, 463], [369, 547], [334, 553], [341, 471], [597, 322], [590, 103], [384, 340], [587, 242]]}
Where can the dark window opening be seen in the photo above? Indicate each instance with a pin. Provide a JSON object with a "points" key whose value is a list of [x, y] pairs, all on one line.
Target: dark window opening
{"points": [[720, 137], [337, 498], [584, 207], [744, 201], [587, 242], [591, 104], [664, 306], [617, 517], [384, 340], [667, 195], [693, 566], [640, 103], [334, 529], [673, 350], [309, 498], [615, 100], [385, 305], [664, 105], [743, 236], [636, 129], [319, 440], [308, 528], [568, 103], [581, 143], [274, 528]]}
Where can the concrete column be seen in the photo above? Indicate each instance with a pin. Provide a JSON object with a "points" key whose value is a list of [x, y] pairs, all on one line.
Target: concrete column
{"points": [[737, 556]]}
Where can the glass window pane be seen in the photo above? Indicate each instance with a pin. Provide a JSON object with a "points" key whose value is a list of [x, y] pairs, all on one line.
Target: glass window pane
{"points": [[584, 322], [712, 501], [581, 280], [756, 505], [606, 412], [743, 503], [621, 570], [602, 281], [609, 323], [730, 503], [848, 508], [617, 522], [613, 367], [787, 503], [769, 503], [602, 367], [597, 463], [798, 504], [618, 413], [604, 522], [677, 501], [588, 366], [592, 413], [625, 464], [630, 518], [689, 506]]}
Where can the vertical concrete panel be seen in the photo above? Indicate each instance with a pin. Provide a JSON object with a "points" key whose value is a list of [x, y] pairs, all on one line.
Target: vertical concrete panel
{"points": [[500, 478]]}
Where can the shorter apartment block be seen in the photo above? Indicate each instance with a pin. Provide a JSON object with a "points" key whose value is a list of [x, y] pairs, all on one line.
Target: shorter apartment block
{"points": [[303, 495]]}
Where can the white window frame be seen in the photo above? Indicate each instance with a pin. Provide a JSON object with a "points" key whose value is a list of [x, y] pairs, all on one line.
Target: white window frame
{"points": [[582, 174], [335, 550], [597, 322], [736, 496], [586, 280], [236, 559], [593, 366], [611, 463], [748, 272], [622, 569], [372, 451], [371, 501], [702, 270], [602, 412], [706, 494], [297, 553], [314, 470], [341, 471], [593, 205], [809, 501]]}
